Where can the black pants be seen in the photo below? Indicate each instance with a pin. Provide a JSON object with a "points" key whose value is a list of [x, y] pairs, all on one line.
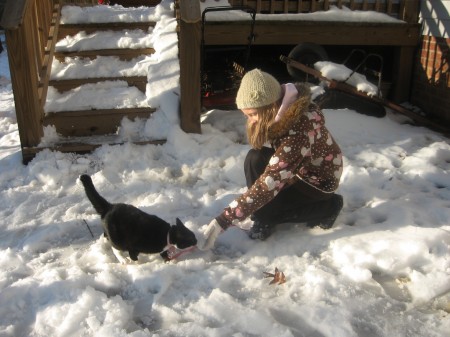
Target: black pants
{"points": [[296, 203]]}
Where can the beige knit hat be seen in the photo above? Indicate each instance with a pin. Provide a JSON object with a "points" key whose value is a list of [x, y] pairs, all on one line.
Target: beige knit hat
{"points": [[257, 89]]}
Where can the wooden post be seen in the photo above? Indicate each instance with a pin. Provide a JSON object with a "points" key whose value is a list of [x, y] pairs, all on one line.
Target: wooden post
{"points": [[410, 12], [402, 73], [189, 53], [53, 12], [15, 10], [404, 56], [25, 81]]}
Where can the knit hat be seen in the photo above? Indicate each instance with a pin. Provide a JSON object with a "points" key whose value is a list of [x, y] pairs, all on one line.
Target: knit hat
{"points": [[257, 89]]}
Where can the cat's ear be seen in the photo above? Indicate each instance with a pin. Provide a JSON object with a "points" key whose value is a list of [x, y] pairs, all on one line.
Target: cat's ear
{"points": [[179, 223]]}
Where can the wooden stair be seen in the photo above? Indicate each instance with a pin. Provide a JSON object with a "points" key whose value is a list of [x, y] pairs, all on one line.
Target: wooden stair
{"points": [[66, 85], [72, 29], [123, 54], [88, 123]]}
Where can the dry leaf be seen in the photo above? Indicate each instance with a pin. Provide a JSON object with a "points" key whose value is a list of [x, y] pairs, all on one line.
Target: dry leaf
{"points": [[278, 277]]}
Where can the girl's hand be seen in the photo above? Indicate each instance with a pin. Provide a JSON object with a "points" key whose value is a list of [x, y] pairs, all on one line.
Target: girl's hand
{"points": [[210, 235]]}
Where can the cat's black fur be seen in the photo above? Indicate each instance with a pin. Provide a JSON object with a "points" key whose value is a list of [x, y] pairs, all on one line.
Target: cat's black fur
{"points": [[130, 229]]}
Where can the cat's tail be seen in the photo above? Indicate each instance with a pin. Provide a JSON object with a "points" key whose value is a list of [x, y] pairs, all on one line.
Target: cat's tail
{"points": [[100, 204]]}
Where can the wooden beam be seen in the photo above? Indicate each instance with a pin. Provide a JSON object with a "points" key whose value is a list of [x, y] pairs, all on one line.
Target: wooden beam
{"points": [[377, 6], [89, 28], [364, 7], [327, 33], [44, 74], [24, 80], [258, 6], [64, 85], [78, 146], [389, 7], [16, 11], [123, 54], [189, 55], [402, 73], [410, 11], [92, 122]]}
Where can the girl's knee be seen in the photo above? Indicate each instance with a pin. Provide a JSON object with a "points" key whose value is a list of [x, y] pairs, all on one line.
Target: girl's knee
{"points": [[252, 157], [258, 156]]}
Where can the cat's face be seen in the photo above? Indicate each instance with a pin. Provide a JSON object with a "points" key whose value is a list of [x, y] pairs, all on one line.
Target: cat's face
{"points": [[181, 236]]}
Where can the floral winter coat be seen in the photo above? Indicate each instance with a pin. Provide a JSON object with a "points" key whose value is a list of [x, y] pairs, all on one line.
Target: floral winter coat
{"points": [[304, 149]]}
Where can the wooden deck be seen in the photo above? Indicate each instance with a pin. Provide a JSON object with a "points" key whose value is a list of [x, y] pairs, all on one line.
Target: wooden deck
{"points": [[324, 33], [33, 29], [402, 37], [402, 8]]}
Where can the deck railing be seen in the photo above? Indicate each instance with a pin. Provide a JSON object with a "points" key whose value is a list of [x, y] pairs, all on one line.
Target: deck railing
{"points": [[30, 44], [189, 26], [79, 2], [406, 10]]}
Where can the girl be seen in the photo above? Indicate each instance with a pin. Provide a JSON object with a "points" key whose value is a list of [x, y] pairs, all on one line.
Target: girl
{"points": [[294, 179]]}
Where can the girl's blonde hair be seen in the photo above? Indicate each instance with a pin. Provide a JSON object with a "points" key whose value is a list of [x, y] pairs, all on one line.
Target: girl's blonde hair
{"points": [[257, 132]]}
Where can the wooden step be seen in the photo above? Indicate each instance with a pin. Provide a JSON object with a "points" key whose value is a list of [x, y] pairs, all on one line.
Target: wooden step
{"points": [[79, 146], [123, 54], [73, 29], [135, 3], [92, 122], [65, 85]]}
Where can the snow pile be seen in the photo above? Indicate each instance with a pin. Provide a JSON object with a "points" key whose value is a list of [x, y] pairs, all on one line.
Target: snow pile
{"points": [[97, 14], [103, 95], [102, 66], [334, 14], [161, 68], [383, 270], [131, 39], [341, 73], [163, 88]]}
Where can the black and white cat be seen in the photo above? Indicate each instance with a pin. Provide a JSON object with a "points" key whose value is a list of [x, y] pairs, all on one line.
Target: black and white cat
{"points": [[132, 230]]}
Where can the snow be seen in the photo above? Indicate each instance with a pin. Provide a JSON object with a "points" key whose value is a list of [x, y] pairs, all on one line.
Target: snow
{"points": [[102, 66], [132, 39], [382, 270], [162, 92], [121, 96], [334, 14], [97, 14], [341, 73]]}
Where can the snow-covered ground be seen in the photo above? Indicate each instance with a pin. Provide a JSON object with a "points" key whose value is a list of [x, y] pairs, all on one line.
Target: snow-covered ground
{"points": [[382, 270], [334, 14]]}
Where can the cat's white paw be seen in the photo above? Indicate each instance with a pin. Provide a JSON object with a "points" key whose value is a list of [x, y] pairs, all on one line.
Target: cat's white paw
{"points": [[123, 259]]}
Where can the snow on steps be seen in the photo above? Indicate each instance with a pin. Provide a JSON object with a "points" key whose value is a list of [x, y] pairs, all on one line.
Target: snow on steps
{"points": [[99, 59]]}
